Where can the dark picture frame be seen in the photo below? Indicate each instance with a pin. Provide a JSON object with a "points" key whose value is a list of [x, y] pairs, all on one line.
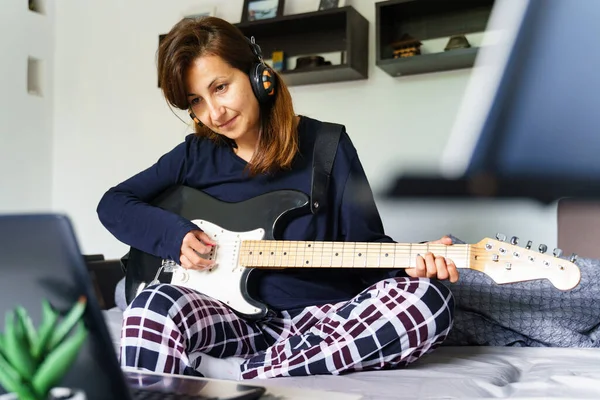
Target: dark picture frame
{"points": [[329, 4], [256, 10]]}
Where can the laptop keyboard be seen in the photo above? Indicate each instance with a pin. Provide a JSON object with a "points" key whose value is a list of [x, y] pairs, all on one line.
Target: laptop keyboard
{"points": [[141, 394]]}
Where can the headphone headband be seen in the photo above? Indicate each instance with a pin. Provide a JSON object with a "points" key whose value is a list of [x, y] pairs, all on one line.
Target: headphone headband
{"points": [[255, 48]]}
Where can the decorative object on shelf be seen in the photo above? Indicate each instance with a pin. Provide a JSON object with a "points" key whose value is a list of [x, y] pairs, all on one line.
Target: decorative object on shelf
{"points": [[202, 12], [311, 62], [33, 361], [325, 33], [407, 46], [327, 4], [433, 23], [279, 61], [255, 10], [457, 42]]}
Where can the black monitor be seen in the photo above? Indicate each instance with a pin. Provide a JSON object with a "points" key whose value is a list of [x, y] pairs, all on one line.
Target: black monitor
{"points": [[529, 124]]}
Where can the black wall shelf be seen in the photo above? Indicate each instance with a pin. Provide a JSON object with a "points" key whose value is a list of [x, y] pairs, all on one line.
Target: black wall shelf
{"points": [[424, 20], [336, 30]]}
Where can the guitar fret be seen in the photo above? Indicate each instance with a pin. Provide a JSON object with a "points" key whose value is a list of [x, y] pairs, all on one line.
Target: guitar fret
{"points": [[270, 255], [307, 255], [279, 252], [372, 259], [298, 255]]}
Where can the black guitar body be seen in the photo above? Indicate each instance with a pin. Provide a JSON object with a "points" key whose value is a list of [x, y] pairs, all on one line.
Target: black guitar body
{"points": [[270, 211]]}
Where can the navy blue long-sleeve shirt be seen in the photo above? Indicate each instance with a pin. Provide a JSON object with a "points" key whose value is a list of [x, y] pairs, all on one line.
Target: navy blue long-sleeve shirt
{"points": [[351, 214]]}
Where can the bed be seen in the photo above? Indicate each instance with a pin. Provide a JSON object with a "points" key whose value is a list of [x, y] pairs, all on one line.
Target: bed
{"points": [[457, 372], [528, 341]]}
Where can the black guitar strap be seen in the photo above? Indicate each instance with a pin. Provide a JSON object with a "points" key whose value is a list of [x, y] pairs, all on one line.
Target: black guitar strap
{"points": [[324, 152]]}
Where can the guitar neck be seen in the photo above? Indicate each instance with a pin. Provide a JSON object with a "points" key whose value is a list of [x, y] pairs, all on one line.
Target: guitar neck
{"points": [[302, 254]]}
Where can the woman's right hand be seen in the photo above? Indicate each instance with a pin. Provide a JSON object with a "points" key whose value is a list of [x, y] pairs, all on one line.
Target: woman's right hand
{"points": [[195, 243]]}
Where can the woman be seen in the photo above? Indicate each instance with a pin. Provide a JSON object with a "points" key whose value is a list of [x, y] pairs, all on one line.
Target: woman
{"points": [[248, 141]]}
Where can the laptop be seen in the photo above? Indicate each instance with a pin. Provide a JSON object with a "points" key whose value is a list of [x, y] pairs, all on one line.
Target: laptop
{"points": [[41, 259]]}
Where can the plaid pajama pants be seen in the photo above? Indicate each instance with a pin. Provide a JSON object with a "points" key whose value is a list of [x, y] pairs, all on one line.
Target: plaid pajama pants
{"points": [[390, 324]]}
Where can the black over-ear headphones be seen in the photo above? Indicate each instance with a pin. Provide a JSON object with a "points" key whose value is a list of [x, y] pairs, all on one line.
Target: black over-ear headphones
{"points": [[262, 77]]}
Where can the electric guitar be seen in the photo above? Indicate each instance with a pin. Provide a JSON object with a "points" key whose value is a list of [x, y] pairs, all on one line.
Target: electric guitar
{"points": [[245, 234]]}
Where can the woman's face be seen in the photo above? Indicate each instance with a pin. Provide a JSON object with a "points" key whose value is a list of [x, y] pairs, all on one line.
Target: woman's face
{"points": [[222, 98]]}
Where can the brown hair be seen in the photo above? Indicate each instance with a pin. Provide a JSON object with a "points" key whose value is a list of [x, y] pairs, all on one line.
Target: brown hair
{"points": [[193, 38]]}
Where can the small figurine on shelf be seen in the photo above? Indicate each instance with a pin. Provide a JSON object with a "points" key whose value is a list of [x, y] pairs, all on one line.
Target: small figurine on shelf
{"points": [[457, 42], [407, 46], [311, 62]]}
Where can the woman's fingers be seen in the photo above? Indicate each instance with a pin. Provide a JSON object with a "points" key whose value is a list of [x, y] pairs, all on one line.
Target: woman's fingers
{"points": [[204, 238], [430, 266], [441, 268], [452, 271], [195, 244], [190, 259]]}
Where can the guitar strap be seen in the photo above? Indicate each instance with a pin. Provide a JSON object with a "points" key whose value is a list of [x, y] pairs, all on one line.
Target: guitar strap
{"points": [[324, 152]]}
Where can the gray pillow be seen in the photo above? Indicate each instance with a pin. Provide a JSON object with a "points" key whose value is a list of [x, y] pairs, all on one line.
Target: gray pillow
{"points": [[531, 313]]}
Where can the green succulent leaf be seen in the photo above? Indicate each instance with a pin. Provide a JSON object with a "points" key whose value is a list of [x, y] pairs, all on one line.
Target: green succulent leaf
{"points": [[69, 321], [9, 377], [49, 318], [58, 361], [16, 347], [27, 326]]}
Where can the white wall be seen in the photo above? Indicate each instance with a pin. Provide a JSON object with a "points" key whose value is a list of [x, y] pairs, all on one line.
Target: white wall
{"points": [[25, 119], [111, 120]]}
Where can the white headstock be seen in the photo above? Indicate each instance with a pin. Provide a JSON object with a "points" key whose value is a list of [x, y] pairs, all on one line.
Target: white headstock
{"points": [[505, 262]]}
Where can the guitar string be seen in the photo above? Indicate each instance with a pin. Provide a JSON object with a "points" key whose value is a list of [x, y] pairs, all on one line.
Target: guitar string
{"points": [[303, 252]]}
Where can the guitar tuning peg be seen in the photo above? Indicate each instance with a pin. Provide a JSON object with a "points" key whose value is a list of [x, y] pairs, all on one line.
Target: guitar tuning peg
{"points": [[573, 257], [529, 243], [500, 237], [514, 240], [543, 248], [557, 252]]}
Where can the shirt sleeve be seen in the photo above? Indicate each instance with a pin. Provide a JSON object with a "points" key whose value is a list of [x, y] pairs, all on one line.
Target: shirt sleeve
{"points": [[124, 210]]}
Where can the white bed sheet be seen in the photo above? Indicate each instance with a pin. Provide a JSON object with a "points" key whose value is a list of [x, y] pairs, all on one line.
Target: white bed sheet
{"points": [[461, 373]]}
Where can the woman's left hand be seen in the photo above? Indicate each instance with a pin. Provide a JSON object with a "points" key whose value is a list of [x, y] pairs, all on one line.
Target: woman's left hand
{"points": [[435, 267]]}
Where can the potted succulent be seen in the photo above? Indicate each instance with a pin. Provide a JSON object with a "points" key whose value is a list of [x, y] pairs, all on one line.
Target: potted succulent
{"points": [[33, 361]]}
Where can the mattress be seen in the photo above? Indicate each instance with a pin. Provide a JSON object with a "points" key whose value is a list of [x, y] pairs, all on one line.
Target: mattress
{"points": [[473, 372]]}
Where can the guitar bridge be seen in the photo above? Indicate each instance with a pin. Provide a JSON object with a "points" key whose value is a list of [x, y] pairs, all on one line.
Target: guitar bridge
{"points": [[168, 266]]}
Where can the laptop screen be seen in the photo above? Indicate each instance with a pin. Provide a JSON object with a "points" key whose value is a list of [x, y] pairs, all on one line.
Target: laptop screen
{"points": [[41, 262], [530, 109]]}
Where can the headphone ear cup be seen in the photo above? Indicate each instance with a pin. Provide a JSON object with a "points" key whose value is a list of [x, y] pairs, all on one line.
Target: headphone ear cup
{"points": [[262, 80]]}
